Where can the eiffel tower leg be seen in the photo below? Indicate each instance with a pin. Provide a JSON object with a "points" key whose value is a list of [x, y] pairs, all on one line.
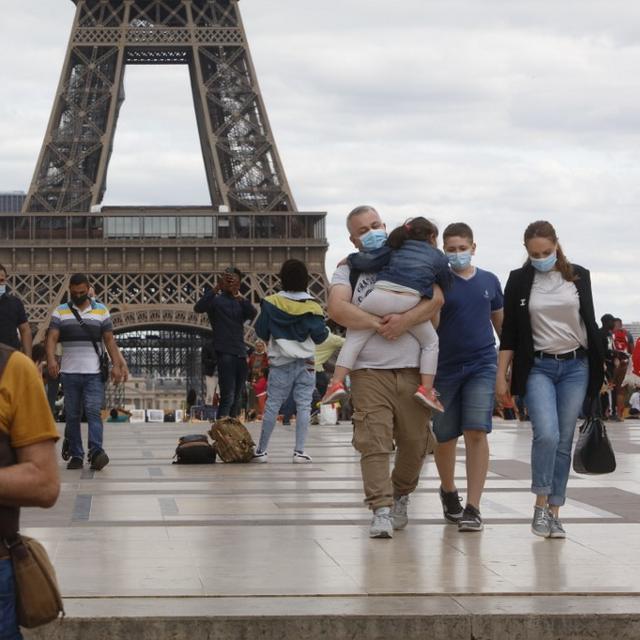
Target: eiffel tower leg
{"points": [[71, 170], [235, 134]]}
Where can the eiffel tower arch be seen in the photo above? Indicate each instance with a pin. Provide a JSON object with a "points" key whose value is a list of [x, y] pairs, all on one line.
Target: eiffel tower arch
{"points": [[150, 264]]}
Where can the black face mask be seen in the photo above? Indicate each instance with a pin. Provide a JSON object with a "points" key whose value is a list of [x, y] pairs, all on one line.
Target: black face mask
{"points": [[78, 301]]}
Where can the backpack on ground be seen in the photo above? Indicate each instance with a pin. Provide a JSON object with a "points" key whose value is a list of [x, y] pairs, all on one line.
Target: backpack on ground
{"points": [[194, 449], [232, 440]]}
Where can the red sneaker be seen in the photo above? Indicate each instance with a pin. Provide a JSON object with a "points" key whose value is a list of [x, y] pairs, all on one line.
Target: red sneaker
{"points": [[334, 393], [429, 398]]}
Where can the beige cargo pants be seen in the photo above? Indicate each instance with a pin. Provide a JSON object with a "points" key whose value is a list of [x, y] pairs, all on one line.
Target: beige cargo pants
{"points": [[385, 413]]}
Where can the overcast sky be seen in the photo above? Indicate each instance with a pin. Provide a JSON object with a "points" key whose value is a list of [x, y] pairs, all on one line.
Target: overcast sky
{"points": [[492, 112]]}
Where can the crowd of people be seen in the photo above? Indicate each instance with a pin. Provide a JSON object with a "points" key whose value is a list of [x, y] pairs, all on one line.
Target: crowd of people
{"points": [[419, 366]]}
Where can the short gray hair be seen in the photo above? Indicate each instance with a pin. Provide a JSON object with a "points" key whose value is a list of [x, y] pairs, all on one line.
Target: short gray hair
{"points": [[363, 208]]}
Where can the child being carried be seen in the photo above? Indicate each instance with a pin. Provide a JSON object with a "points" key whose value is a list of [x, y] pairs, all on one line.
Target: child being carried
{"points": [[408, 266]]}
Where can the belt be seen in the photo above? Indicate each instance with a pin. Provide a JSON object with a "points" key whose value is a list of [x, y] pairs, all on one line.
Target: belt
{"points": [[570, 355], [4, 552]]}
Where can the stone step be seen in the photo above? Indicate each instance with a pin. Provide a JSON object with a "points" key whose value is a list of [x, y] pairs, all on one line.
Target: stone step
{"points": [[468, 617]]}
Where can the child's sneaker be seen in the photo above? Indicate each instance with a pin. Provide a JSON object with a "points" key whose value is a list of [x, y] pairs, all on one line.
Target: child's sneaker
{"points": [[334, 393], [429, 398]]}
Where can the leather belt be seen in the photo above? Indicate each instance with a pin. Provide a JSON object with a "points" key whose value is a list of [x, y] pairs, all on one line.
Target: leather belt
{"points": [[570, 355]]}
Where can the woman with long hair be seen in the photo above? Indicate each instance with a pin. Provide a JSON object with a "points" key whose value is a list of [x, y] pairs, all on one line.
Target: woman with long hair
{"points": [[551, 340]]}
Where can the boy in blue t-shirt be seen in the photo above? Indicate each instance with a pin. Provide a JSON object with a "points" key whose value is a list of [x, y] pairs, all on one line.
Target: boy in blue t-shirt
{"points": [[466, 375]]}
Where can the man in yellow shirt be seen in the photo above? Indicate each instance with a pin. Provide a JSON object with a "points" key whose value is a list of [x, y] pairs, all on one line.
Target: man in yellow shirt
{"points": [[28, 469]]}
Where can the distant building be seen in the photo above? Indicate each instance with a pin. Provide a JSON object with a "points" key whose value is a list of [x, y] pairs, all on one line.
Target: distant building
{"points": [[633, 328], [12, 201]]}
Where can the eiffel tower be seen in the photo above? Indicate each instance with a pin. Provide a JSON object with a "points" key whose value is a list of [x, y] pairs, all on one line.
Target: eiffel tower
{"points": [[149, 264]]}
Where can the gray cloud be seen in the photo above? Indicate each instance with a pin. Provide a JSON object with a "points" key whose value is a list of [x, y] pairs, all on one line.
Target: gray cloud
{"points": [[492, 112]]}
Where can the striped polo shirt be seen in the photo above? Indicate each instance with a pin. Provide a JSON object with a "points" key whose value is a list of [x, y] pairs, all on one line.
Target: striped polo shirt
{"points": [[78, 354]]}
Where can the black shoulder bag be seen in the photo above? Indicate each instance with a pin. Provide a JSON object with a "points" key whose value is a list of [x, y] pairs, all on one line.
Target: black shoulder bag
{"points": [[103, 358], [593, 453]]}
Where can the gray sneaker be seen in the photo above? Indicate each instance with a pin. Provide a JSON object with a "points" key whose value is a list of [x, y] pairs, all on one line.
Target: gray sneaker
{"points": [[399, 512], [541, 523], [556, 530], [381, 524]]}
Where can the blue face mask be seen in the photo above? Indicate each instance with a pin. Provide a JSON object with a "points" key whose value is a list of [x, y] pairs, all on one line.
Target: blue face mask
{"points": [[544, 264], [459, 261], [3, 289], [373, 239]]}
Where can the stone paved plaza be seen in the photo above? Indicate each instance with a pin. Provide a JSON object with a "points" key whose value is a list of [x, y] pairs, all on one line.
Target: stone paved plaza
{"points": [[147, 536]]}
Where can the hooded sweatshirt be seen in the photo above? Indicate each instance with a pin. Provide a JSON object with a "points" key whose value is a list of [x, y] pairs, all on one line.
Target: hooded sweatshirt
{"points": [[293, 323]]}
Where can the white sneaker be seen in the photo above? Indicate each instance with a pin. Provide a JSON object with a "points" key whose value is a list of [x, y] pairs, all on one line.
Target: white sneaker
{"points": [[259, 457], [300, 457], [399, 514], [381, 523]]}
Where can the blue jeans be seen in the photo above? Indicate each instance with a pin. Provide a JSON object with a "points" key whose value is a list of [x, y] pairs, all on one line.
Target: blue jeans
{"points": [[297, 376], [232, 376], [8, 625], [555, 392], [83, 390], [468, 399]]}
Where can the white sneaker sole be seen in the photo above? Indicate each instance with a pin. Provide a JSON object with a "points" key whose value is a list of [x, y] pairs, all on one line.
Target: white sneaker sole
{"points": [[334, 397], [380, 534], [259, 460], [539, 534], [297, 460]]}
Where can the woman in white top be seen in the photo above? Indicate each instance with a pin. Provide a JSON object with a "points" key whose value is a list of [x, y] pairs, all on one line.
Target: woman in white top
{"points": [[550, 338]]}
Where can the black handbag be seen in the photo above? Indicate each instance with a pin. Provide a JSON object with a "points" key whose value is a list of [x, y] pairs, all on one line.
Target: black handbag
{"points": [[103, 358], [593, 453], [194, 449]]}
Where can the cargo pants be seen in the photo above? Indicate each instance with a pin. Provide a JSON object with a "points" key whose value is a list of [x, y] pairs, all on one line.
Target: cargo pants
{"points": [[386, 418]]}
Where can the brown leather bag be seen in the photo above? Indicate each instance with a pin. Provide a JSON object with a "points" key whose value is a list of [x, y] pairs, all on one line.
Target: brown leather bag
{"points": [[231, 440], [38, 598]]}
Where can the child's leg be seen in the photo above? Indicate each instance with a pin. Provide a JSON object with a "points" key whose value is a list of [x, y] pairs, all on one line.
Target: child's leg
{"points": [[278, 388], [427, 336], [302, 393], [379, 302]]}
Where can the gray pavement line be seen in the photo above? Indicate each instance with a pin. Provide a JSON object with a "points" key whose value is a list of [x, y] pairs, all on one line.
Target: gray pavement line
{"points": [[454, 595], [316, 522]]}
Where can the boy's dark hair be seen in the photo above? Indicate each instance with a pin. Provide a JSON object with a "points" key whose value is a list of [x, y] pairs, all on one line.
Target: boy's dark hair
{"points": [[294, 275], [78, 278], [460, 229], [413, 229], [113, 413], [2, 268]]}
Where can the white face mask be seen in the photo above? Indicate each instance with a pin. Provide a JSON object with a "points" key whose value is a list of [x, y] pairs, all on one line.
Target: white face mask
{"points": [[3, 289]]}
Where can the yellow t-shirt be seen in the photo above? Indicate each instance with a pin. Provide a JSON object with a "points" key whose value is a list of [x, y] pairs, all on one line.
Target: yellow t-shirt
{"points": [[24, 411], [326, 349]]}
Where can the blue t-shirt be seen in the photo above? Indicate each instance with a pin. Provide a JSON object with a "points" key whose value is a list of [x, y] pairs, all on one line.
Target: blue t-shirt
{"points": [[465, 330]]}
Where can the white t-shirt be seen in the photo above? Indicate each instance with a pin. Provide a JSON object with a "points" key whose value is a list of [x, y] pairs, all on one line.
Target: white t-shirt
{"points": [[378, 353], [554, 308], [634, 400]]}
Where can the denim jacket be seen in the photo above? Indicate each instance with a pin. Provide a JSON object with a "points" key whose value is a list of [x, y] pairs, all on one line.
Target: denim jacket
{"points": [[416, 264]]}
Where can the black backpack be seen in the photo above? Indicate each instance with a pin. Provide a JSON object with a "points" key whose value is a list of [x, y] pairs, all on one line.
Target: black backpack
{"points": [[194, 449]]}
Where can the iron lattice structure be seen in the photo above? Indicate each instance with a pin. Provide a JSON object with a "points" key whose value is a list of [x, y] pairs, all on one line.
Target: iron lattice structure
{"points": [[149, 265], [243, 168]]}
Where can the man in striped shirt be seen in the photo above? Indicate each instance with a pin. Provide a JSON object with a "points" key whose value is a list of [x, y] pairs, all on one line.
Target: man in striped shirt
{"points": [[80, 367]]}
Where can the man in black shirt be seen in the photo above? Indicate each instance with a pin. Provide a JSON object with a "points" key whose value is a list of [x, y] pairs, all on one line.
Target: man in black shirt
{"points": [[228, 311], [13, 319]]}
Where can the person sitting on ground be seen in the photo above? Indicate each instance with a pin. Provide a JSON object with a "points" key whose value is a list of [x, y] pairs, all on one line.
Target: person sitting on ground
{"points": [[118, 416], [634, 404], [408, 266], [293, 323]]}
